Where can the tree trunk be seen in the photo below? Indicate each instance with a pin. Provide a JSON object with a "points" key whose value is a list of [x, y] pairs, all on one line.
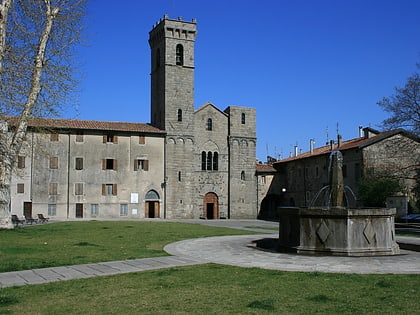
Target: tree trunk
{"points": [[10, 149]]}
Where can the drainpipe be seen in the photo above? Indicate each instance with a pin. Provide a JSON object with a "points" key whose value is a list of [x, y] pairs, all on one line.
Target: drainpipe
{"points": [[68, 177]]}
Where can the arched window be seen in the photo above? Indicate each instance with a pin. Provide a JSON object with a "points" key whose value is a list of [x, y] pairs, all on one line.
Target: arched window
{"points": [[179, 55], [243, 118], [158, 58], [203, 161], [209, 161], [215, 161], [179, 176], [242, 175], [209, 124], [152, 195], [179, 114]]}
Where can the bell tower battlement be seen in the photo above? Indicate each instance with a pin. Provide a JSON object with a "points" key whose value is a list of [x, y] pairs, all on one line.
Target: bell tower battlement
{"points": [[172, 74]]}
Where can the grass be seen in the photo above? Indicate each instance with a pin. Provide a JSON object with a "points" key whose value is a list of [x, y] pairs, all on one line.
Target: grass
{"points": [[218, 289], [70, 243], [202, 289]]}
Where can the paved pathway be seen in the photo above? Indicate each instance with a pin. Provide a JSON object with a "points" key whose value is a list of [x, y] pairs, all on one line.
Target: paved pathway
{"points": [[229, 250]]}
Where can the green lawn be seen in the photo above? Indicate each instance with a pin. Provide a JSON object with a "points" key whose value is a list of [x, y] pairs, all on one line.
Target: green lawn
{"points": [[203, 289], [218, 289], [70, 243]]}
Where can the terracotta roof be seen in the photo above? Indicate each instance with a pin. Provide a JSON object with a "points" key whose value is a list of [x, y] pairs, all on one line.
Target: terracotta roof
{"points": [[349, 144], [265, 168], [77, 124]]}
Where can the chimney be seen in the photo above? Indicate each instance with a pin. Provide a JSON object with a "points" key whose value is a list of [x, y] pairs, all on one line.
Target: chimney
{"points": [[339, 140], [360, 131], [296, 150], [331, 145], [311, 145]]}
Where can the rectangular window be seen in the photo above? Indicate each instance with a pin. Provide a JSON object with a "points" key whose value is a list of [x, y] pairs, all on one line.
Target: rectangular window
{"points": [[109, 189], [52, 209], [54, 162], [110, 138], [124, 210], [79, 163], [52, 189], [79, 137], [109, 164], [78, 189], [21, 161], [344, 169], [20, 188], [142, 140], [54, 137], [357, 171], [94, 210], [141, 165]]}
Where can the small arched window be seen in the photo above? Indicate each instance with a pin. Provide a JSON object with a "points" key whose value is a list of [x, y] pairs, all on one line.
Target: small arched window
{"points": [[215, 161], [209, 124], [242, 175], [158, 58], [243, 118], [203, 161], [179, 114], [209, 161], [179, 176], [179, 55]]}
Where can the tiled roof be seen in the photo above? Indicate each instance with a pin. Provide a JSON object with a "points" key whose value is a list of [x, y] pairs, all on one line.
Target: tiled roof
{"points": [[265, 168], [77, 124], [346, 145]]}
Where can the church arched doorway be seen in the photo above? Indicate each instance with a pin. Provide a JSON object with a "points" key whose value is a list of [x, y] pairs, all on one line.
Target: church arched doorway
{"points": [[211, 206], [151, 206]]}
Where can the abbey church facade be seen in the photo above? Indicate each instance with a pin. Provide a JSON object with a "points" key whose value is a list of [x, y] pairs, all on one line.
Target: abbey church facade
{"points": [[185, 163]]}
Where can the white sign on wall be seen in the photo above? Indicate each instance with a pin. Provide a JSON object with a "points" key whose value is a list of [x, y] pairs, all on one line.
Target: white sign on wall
{"points": [[134, 198], [134, 211]]}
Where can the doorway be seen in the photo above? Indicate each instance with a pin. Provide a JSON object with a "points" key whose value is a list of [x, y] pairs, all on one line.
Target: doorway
{"points": [[152, 205], [211, 206], [79, 210], [27, 209]]}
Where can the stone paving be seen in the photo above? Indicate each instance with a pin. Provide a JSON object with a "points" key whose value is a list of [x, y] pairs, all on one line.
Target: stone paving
{"points": [[228, 250]]}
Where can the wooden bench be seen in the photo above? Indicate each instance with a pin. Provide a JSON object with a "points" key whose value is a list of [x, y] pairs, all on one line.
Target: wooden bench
{"points": [[30, 220], [16, 221], [42, 219]]}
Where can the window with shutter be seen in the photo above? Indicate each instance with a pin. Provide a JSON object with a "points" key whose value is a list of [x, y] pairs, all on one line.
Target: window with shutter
{"points": [[21, 161], [54, 162]]}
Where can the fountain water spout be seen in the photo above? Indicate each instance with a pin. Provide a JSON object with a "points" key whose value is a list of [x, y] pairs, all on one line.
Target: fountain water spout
{"points": [[336, 180]]}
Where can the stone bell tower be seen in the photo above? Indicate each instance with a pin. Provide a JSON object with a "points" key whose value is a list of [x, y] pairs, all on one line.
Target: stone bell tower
{"points": [[172, 108], [172, 74]]}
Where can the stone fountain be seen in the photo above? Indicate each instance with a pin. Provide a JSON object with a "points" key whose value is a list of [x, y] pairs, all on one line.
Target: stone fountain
{"points": [[335, 228]]}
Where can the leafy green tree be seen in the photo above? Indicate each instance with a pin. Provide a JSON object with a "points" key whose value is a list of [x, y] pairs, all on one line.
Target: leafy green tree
{"points": [[374, 191]]}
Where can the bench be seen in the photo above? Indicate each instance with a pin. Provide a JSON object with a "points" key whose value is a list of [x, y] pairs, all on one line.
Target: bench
{"points": [[30, 220], [16, 221], [42, 219]]}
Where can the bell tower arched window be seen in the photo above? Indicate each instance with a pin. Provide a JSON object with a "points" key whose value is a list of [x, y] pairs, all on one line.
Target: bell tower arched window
{"points": [[209, 161], [243, 118], [158, 58], [215, 161], [179, 55], [203, 160]]}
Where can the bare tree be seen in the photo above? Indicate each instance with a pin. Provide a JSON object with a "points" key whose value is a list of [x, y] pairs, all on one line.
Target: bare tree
{"points": [[37, 41], [404, 106]]}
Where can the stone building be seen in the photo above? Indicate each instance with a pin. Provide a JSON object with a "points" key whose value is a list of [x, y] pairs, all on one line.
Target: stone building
{"points": [[394, 153], [187, 163]]}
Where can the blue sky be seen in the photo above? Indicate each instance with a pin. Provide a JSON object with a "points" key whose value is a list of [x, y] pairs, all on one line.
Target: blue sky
{"points": [[310, 68]]}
